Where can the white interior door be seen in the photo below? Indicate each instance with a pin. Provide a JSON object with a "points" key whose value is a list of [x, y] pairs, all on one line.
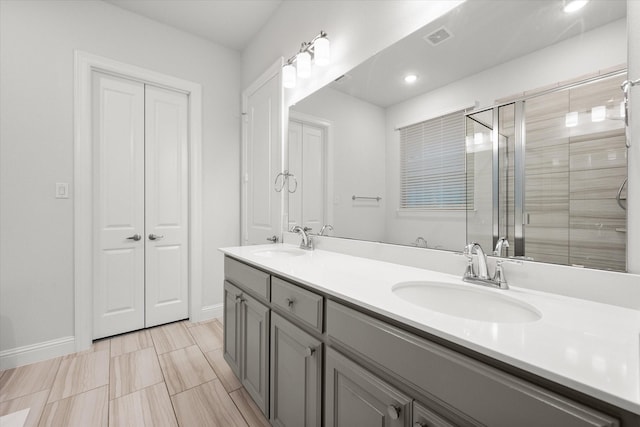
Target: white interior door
{"points": [[166, 223], [307, 148], [140, 206], [263, 162], [118, 150]]}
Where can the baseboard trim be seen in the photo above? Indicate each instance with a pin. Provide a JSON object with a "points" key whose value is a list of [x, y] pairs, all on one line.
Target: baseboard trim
{"points": [[213, 311], [19, 356]]}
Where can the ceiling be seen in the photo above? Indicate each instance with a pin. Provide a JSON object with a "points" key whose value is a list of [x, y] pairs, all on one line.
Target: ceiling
{"points": [[230, 23], [485, 33]]}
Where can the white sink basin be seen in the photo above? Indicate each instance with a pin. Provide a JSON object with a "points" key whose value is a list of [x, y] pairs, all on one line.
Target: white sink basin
{"points": [[469, 303], [279, 252]]}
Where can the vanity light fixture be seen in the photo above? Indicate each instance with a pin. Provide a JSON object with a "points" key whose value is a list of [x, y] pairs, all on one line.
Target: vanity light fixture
{"points": [[318, 50], [571, 119], [598, 113], [574, 5], [410, 78]]}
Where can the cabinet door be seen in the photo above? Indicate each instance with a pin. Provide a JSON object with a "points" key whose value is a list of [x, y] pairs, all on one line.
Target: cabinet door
{"points": [[254, 367], [232, 298], [296, 375], [355, 397], [424, 417]]}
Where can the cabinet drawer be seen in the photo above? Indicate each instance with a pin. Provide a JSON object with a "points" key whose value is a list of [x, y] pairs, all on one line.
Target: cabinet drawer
{"points": [[249, 278], [482, 392], [300, 303]]}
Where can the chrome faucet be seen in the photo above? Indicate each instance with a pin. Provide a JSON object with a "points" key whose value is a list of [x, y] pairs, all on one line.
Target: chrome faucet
{"points": [[482, 278], [325, 227], [501, 247], [307, 241]]}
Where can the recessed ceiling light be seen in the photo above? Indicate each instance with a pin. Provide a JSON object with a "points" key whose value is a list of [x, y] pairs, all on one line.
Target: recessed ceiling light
{"points": [[410, 78], [575, 5]]}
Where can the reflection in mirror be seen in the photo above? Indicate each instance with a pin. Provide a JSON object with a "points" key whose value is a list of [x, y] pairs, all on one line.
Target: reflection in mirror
{"points": [[552, 187], [482, 53]]}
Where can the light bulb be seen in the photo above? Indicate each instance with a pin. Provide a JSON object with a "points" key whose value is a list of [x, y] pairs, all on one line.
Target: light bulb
{"points": [[322, 51], [571, 119], [575, 5], [410, 78], [303, 62], [598, 113], [289, 76]]}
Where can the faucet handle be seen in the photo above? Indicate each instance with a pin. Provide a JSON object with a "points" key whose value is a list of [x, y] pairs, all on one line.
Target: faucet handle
{"points": [[498, 276]]}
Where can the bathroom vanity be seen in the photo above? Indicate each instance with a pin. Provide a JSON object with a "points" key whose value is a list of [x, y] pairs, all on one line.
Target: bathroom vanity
{"points": [[321, 338]]}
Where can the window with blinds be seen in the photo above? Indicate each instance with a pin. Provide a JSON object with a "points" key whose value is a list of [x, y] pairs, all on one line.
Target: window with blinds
{"points": [[432, 164]]}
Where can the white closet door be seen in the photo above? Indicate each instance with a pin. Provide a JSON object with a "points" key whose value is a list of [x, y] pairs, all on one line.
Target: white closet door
{"points": [[166, 234], [313, 179], [307, 162], [118, 146], [295, 167], [263, 162]]}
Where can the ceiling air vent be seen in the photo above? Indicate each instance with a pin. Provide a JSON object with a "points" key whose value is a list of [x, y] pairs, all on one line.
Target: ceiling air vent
{"points": [[438, 36]]}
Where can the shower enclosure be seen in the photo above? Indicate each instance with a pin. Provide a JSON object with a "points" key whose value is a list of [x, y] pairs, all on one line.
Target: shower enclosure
{"points": [[545, 170]]}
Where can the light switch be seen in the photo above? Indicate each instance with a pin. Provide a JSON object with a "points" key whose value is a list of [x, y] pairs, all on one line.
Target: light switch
{"points": [[62, 190]]}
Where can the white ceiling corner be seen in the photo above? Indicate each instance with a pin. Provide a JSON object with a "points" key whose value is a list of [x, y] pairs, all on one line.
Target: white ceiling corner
{"points": [[230, 23]]}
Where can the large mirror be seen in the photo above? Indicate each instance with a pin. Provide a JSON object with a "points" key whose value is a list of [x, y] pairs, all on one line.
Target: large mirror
{"points": [[357, 145]]}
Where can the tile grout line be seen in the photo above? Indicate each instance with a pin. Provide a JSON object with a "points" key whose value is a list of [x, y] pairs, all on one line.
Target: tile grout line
{"points": [[164, 379]]}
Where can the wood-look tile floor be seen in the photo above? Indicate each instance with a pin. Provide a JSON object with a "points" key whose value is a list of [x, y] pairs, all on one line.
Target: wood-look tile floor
{"points": [[171, 375]]}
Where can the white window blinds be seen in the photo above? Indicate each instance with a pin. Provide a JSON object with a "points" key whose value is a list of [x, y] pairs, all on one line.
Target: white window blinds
{"points": [[432, 164]]}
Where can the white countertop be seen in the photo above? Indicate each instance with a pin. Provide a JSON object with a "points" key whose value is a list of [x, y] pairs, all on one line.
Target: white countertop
{"points": [[587, 346]]}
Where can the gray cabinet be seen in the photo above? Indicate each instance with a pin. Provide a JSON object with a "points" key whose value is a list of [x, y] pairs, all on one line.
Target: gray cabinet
{"points": [[478, 391], [424, 417], [231, 316], [356, 397], [296, 375], [246, 342]]}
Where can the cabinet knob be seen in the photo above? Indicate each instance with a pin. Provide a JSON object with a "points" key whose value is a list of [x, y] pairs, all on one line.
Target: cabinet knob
{"points": [[290, 302], [394, 412], [309, 351]]}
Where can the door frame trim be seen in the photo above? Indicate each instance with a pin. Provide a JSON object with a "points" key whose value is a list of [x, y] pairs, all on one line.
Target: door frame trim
{"points": [[84, 65]]}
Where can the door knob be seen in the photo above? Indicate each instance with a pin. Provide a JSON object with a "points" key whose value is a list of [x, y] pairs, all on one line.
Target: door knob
{"points": [[394, 412], [155, 237], [135, 237]]}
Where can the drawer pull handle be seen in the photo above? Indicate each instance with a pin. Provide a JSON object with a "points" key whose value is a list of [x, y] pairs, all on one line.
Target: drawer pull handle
{"points": [[290, 302], [394, 412], [309, 351]]}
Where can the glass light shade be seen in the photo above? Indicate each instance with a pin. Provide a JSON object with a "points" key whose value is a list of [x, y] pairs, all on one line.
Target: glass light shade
{"points": [[571, 119], [322, 51], [289, 76], [303, 62], [598, 113]]}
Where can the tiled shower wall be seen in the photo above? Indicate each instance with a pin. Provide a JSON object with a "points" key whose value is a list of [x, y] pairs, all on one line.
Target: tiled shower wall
{"points": [[573, 175]]}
